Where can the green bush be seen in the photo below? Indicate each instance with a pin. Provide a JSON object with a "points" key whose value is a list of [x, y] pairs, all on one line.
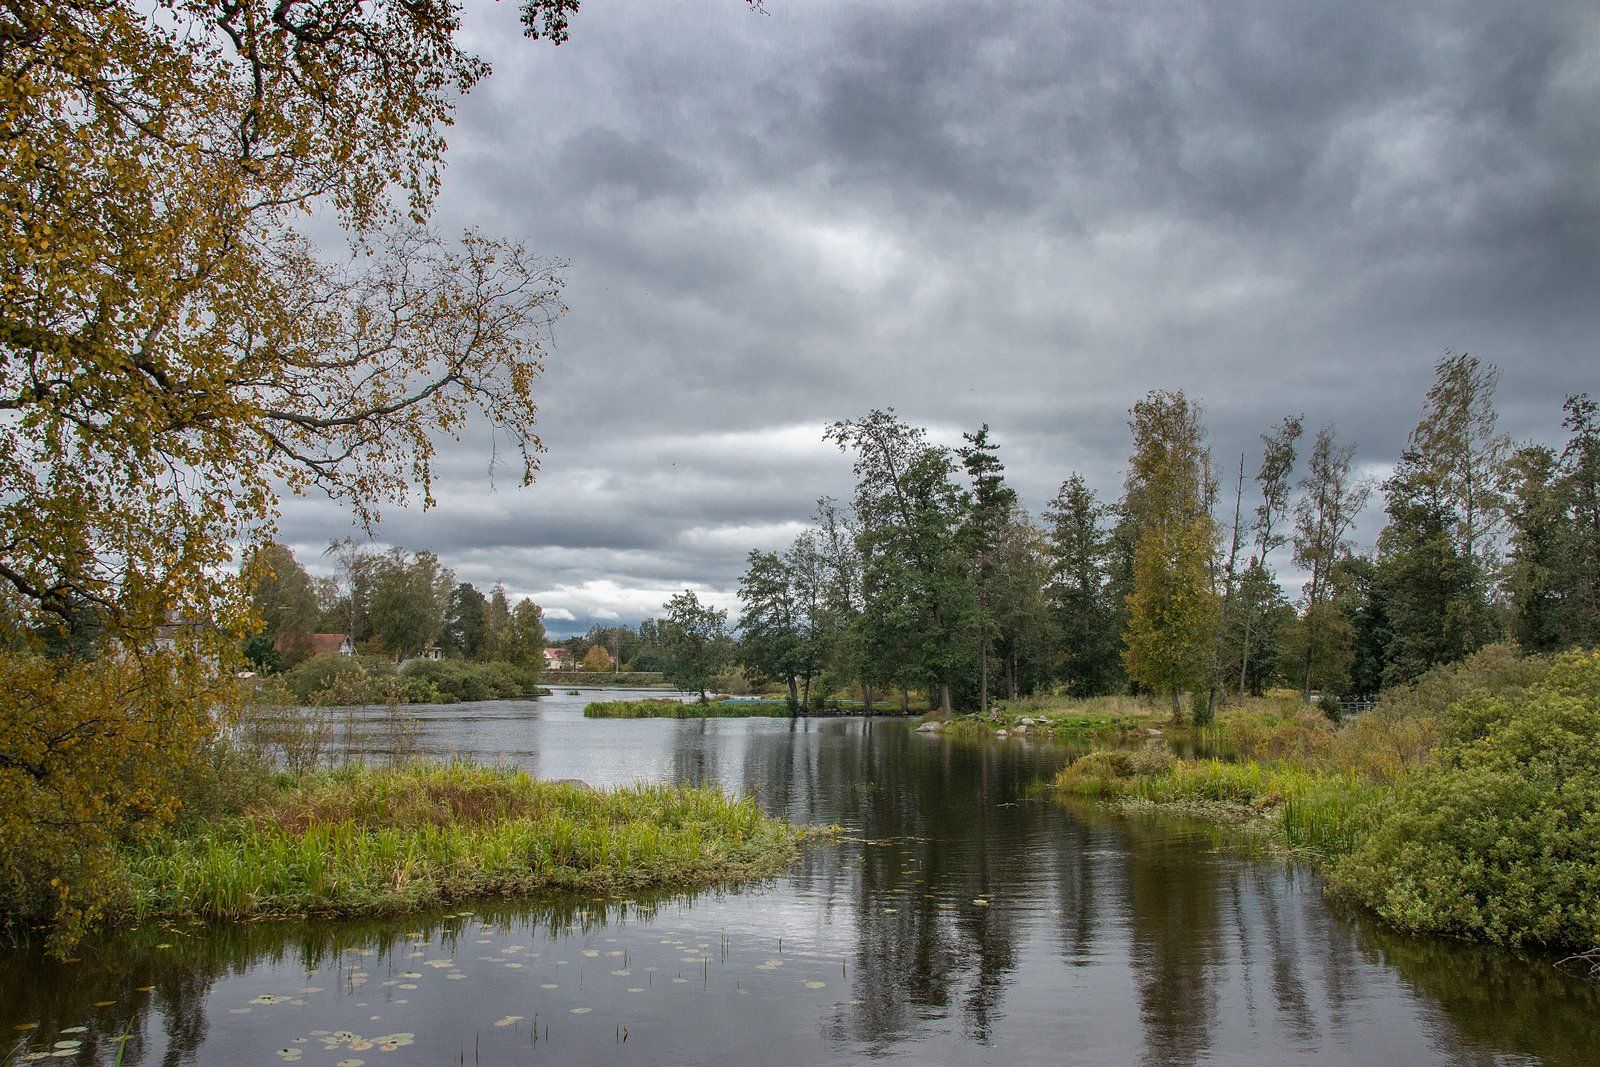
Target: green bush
{"points": [[1498, 838], [329, 679], [460, 680]]}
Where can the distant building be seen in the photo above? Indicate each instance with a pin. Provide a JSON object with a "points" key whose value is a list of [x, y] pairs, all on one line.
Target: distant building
{"points": [[320, 645], [559, 659]]}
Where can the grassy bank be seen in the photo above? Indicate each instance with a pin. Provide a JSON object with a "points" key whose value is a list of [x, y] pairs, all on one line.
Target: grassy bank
{"points": [[1058, 718], [675, 709], [1305, 810], [719, 709], [1463, 806], [368, 841]]}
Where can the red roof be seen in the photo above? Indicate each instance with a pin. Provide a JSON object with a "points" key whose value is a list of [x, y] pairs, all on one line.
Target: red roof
{"points": [[320, 644]]}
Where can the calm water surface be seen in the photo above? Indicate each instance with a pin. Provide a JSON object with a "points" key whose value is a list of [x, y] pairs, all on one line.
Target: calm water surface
{"points": [[959, 922]]}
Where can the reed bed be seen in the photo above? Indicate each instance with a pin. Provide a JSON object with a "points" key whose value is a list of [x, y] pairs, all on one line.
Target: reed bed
{"points": [[674, 709], [1307, 810], [361, 840]]}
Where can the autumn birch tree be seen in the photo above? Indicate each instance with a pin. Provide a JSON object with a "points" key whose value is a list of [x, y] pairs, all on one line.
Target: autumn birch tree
{"points": [[1172, 610]]}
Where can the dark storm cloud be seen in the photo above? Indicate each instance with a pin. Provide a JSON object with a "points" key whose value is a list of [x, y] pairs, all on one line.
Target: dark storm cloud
{"points": [[1027, 214]]}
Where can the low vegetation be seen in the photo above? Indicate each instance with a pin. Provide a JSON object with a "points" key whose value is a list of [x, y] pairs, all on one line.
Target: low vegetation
{"points": [[1464, 805], [676, 709], [333, 680], [362, 840]]}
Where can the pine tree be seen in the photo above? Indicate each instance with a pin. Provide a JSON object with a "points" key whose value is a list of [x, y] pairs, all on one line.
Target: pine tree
{"points": [[1087, 621], [990, 505]]}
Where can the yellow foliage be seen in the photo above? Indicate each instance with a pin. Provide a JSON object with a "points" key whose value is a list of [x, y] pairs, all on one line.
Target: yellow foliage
{"points": [[91, 754]]}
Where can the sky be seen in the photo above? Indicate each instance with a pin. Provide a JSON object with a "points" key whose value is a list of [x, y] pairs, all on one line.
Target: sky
{"points": [[1025, 214]]}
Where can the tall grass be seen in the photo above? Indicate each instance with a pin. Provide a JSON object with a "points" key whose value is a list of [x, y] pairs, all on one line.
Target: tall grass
{"points": [[364, 841], [1311, 811], [674, 709]]}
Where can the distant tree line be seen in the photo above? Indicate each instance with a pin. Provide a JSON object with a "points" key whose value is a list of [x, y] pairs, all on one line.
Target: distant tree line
{"points": [[934, 577], [395, 604]]}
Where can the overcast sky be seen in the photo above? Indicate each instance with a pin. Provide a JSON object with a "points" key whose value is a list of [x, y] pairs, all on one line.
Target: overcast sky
{"points": [[1021, 213]]}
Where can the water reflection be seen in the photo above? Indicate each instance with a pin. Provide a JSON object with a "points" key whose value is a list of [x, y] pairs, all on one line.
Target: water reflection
{"points": [[956, 921]]}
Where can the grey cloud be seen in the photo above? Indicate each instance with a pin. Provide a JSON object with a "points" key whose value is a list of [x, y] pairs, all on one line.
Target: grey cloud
{"points": [[1026, 214]]}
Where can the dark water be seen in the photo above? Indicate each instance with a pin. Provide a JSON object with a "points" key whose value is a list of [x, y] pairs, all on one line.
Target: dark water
{"points": [[960, 922]]}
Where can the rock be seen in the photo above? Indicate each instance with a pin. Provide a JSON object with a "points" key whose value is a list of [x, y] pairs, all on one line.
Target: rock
{"points": [[1001, 732], [930, 727], [1027, 721]]}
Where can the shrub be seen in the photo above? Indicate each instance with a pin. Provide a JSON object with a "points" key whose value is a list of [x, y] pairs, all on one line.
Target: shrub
{"points": [[1497, 838], [454, 680], [329, 679], [93, 755]]}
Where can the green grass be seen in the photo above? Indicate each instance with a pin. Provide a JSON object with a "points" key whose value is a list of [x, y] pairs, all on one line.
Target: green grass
{"points": [[673, 709], [662, 708], [1311, 811], [369, 841]]}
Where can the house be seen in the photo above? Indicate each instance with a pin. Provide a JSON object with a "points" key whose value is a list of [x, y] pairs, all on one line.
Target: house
{"points": [[559, 659], [319, 645]]}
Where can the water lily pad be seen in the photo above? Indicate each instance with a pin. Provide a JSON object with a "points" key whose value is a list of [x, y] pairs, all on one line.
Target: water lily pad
{"points": [[508, 1020], [579, 1011], [815, 985]]}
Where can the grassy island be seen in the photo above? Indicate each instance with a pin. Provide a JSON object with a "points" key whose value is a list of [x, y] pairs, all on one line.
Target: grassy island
{"points": [[360, 840], [677, 709]]}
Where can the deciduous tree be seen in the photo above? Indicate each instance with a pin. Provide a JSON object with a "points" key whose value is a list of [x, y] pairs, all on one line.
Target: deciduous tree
{"points": [[695, 642], [1172, 610]]}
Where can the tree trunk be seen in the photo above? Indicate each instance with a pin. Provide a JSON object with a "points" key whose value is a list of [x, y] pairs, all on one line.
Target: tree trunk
{"points": [[905, 701], [866, 699], [983, 681], [944, 697], [794, 693], [1244, 657], [1177, 709]]}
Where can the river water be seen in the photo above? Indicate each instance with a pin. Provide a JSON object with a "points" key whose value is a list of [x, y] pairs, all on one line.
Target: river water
{"points": [[960, 920]]}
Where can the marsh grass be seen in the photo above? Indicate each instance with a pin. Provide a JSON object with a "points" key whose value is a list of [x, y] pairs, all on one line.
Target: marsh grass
{"points": [[361, 840], [674, 709], [722, 708], [1310, 811]]}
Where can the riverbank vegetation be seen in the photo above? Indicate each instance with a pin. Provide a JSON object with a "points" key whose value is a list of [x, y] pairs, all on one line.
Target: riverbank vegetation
{"points": [[677, 709], [720, 708], [334, 680], [1463, 805], [362, 840]]}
